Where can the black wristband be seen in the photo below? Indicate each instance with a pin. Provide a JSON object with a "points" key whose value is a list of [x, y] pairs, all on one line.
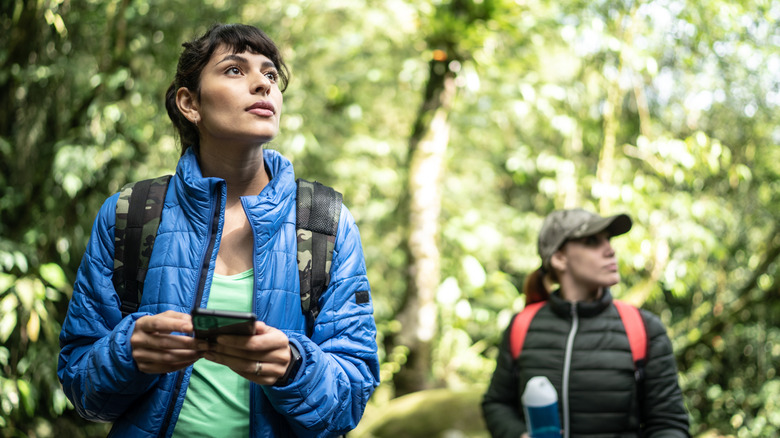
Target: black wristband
{"points": [[292, 368]]}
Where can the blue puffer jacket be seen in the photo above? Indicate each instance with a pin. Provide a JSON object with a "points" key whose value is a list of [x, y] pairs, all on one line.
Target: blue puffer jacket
{"points": [[340, 366]]}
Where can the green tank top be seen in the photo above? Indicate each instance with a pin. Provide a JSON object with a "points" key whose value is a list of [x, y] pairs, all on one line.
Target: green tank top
{"points": [[217, 399]]}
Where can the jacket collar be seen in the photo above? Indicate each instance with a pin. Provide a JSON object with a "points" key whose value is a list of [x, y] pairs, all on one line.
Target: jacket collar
{"points": [[282, 177], [199, 192], [280, 169], [275, 204], [194, 193], [586, 309]]}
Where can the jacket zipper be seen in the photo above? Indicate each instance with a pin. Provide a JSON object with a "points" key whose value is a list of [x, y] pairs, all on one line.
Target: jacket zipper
{"points": [[256, 273], [575, 322], [205, 265]]}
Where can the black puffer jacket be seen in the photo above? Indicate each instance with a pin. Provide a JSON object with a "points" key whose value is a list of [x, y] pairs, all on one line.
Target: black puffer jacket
{"points": [[602, 396]]}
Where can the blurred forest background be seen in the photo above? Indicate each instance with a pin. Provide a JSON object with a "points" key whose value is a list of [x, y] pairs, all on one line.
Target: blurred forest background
{"points": [[452, 127]]}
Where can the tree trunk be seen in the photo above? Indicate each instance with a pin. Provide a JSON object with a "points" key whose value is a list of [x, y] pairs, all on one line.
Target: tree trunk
{"points": [[606, 166], [612, 113], [427, 148]]}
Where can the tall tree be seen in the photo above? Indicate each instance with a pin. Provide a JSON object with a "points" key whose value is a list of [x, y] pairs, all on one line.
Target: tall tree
{"points": [[427, 148], [452, 31]]}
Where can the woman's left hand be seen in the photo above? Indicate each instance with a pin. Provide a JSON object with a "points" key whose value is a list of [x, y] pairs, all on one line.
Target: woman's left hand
{"points": [[262, 358]]}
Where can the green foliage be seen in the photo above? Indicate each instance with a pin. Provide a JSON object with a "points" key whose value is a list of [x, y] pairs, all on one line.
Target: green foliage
{"points": [[685, 92]]}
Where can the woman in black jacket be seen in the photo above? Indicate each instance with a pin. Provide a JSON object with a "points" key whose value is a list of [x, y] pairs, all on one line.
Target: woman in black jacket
{"points": [[579, 342]]}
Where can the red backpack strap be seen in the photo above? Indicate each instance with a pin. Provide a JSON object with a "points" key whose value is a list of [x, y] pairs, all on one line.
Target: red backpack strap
{"points": [[635, 330], [637, 340], [520, 325]]}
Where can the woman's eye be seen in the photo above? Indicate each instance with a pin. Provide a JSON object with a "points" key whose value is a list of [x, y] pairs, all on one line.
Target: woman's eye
{"points": [[233, 71], [595, 241], [272, 76]]}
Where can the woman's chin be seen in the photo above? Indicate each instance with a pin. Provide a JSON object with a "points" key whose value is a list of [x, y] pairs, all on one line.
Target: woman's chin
{"points": [[612, 280]]}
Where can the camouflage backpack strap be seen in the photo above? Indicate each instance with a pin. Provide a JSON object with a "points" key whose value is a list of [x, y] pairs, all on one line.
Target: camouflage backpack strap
{"points": [[318, 208], [138, 214]]}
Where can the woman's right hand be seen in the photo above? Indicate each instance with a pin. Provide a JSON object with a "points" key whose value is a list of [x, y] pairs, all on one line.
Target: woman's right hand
{"points": [[157, 351]]}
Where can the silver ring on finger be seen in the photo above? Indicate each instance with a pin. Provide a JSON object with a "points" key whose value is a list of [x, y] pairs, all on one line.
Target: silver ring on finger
{"points": [[258, 367]]}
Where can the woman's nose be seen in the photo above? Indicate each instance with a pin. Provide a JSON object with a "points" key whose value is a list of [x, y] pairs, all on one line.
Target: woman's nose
{"points": [[608, 248], [261, 85]]}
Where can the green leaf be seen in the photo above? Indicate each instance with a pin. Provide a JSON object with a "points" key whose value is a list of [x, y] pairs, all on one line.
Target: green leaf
{"points": [[54, 275], [8, 317], [25, 396], [6, 281]]}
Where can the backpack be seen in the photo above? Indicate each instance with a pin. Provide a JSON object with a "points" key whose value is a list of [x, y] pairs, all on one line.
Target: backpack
{"points": [[635, 330], [138, 213]]}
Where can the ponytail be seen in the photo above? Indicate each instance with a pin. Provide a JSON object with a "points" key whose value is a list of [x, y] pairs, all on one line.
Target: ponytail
{"points": [[534, 287]]}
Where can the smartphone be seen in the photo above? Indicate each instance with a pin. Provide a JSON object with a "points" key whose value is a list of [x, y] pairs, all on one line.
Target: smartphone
{"points": [[210, 323]]}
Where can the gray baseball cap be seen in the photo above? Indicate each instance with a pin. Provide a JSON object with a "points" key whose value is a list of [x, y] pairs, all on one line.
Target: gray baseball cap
{"points": [[562, 225]]}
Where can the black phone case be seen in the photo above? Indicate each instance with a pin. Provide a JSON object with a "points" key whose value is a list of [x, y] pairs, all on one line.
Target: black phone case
{"points": [[209, 323]]}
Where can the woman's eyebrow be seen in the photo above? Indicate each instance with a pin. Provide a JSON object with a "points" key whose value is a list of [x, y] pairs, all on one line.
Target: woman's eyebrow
{"points": [[234, 58], [243, 60]]}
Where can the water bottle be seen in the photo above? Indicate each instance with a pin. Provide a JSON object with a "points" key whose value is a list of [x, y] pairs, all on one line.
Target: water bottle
{"points": [[540, 404]]}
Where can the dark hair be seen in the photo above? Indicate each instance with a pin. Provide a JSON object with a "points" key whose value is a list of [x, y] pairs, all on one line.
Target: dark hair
{"points": [[236, 37], [535, 286]]}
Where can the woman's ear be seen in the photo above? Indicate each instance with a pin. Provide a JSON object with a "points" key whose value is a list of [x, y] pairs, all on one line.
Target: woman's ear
{"points": [[188, 104], [558, 260]]}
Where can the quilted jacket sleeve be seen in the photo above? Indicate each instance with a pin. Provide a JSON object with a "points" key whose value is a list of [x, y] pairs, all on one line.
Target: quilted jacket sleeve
{"points": [[96, 366], [664, 409], [501, 404], [340, 364]]}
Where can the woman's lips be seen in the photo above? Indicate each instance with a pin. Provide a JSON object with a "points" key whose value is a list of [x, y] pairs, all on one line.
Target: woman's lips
{"points": [[262, 108]]}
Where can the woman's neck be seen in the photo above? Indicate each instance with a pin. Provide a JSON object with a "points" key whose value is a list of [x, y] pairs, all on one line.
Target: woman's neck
{"points": [[576, 293], [244, 173]]}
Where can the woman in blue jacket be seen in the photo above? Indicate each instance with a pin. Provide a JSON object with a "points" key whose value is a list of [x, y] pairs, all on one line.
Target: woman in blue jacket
{"points": [[227, 240]]}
